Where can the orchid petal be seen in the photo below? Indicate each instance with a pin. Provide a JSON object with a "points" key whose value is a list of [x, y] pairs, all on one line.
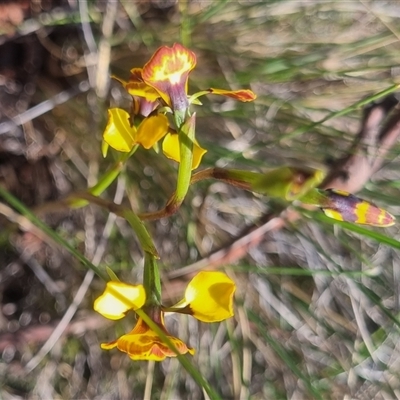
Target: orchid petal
{"points": [[151, 130], [118, 298], [119, 134]]}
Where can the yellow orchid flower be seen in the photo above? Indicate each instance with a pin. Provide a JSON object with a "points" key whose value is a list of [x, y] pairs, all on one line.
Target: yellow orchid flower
{"points": [[208, 297], [164, 76]]}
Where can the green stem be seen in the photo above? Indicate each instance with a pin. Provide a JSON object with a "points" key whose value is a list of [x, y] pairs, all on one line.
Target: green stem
{"points": [[139, 228], [134, 221], [151, 281], [186, 139], [107, 179]]}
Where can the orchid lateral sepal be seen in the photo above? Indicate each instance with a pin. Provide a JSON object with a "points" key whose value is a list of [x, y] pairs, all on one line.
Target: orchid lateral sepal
{"points": [[171, 149], [104, 148]]}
